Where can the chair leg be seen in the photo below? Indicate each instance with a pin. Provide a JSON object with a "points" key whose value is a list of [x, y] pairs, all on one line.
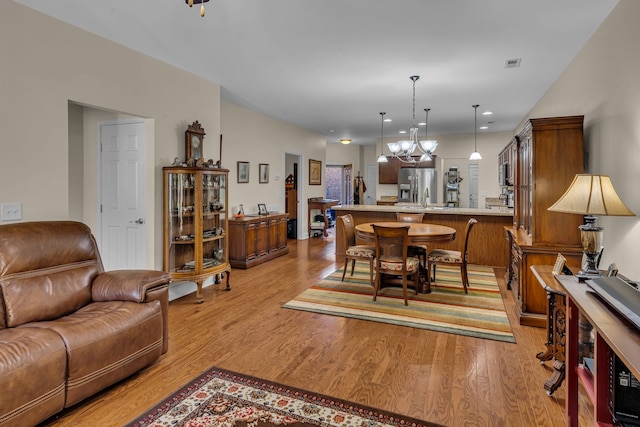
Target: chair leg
{"points": [[344, 270], [404, 289], [371, 271], [377, 286], [353, 264], [465, 278], [428, 275]]}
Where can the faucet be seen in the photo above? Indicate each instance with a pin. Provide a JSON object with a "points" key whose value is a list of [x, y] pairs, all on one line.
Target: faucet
{"points": [[425, 198]]}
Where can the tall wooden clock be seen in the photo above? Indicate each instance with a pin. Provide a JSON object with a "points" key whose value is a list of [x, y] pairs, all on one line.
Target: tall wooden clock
{"points": [[193, 140]]}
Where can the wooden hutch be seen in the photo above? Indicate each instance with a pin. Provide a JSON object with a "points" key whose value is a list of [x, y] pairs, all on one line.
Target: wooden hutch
{"points": [[548, 152]]}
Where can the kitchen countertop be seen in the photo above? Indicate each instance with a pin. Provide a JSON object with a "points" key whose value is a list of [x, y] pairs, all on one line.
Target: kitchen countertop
{"points": [[440, 210]]}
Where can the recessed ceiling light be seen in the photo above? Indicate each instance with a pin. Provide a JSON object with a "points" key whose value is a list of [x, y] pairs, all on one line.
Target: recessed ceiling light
{"points": [[487, 113], [345, 141], [387, 120], [421, 124], [403, 131], [484, 127]]}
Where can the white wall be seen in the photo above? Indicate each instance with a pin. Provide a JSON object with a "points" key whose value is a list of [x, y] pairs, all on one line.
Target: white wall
{"points": [[602, 84]]}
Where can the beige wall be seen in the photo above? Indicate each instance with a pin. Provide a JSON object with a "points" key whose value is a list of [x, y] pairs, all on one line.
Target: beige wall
{"points": [[256, 138], [58, 82], [602, 84]]}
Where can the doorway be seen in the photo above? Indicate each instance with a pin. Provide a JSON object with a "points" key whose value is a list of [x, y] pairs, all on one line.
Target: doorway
{"points": [[339, 183], [122, 211]]}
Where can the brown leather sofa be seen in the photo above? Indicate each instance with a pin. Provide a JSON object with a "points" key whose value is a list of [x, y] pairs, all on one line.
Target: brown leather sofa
{"points": [[68, 329]]}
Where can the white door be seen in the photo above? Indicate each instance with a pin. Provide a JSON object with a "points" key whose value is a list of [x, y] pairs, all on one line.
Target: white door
{"points": [[371, 179], [122, 195], [473, 185]]}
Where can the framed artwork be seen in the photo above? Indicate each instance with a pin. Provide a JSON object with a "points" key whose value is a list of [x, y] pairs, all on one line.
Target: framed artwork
{"points": [[262, 209], [243, 172], [315, 172], [263, 173]]}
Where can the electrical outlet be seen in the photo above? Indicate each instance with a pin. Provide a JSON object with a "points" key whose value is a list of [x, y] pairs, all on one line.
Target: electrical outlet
{"points": [[11, 211]]}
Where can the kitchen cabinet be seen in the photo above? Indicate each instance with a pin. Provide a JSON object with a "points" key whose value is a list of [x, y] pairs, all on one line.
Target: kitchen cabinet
{"points": [[195, 225], [549, 153], [254, 240], [388, 171]]}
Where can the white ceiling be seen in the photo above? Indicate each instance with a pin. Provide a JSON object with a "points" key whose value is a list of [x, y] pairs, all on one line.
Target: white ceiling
{"points": [[331, 66]]}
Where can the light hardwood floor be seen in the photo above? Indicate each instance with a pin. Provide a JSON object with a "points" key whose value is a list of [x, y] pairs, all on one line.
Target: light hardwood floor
{"points": [[443, 378]]}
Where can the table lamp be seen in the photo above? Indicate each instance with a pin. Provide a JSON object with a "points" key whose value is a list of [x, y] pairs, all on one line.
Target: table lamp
{"points": [[591, 196]]}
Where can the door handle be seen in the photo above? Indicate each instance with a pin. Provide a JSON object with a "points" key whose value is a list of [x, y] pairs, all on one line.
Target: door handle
{"points": [[137, 221]]}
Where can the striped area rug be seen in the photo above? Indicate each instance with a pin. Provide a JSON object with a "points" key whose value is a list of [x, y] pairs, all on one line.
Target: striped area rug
{"points": [[480, 313]]}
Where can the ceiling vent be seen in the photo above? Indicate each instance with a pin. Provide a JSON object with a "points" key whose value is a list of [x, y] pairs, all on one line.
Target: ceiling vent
{"points": [[512, 63]]}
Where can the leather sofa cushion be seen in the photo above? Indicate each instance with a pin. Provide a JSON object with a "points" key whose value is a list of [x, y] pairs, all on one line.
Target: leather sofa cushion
{"points": [[106, 342], [29, 246], [33, 367], [46, 294]]}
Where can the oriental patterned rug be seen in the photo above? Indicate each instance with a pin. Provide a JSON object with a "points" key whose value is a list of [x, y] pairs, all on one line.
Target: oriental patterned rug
{"points": [[480, 313], [220, 398]]}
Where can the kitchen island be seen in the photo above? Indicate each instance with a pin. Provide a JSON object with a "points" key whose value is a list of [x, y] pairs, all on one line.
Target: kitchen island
{"points": [[487, 243]]}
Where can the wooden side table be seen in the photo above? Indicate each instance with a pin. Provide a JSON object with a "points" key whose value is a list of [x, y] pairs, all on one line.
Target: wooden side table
{"points": [[556, 325]]}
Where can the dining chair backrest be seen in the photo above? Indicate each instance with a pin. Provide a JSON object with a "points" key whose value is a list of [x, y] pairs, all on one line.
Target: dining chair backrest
{"points": [[470, 224], [409, 217], [391, 243], [348, 229]]}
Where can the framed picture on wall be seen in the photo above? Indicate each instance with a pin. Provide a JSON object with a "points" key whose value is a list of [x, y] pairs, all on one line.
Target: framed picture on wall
{"points": [[243, 172], [263, 173], [315, 172]]}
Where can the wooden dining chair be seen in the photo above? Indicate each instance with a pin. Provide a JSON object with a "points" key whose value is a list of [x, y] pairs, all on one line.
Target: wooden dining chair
{"points": [[414, 250], [355, 252], [391, 257], [448, 257]]}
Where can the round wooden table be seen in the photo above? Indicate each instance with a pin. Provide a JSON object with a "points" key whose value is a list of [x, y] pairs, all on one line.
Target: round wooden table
{"points": [[419, 234]]}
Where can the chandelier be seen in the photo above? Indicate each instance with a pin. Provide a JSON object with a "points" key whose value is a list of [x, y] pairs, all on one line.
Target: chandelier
{"points": [[403, 150], [200, 2]]}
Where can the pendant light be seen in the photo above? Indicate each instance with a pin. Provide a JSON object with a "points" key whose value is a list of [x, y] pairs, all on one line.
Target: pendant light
{"points": [[428, 146], [382, 158], [475, 155]]}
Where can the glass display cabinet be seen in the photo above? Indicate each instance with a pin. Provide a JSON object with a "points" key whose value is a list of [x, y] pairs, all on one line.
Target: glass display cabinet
{"points": [[195, 225]]}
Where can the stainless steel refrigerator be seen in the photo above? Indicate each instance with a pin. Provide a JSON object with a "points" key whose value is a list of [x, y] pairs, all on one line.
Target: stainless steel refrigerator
{"points": [[415, 185]]}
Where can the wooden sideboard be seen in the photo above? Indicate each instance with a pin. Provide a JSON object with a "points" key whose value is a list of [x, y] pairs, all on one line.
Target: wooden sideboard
{"points": [[254, 240]]}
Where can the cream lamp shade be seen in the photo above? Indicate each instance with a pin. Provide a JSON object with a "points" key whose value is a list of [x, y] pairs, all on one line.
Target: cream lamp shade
{"points": [[591, 195]]}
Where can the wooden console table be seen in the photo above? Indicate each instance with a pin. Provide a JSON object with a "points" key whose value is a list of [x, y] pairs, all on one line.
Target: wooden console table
{"points": [[322, 205], [613, 334]]}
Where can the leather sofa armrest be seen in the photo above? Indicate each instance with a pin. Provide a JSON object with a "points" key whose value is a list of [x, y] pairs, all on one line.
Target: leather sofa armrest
{"points": [[127, 285]]}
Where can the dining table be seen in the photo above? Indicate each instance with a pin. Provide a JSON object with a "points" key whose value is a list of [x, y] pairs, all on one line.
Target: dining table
{"points": [[419, 234]]}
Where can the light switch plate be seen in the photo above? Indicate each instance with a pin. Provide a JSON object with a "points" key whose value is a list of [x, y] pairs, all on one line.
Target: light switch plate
{"points": [[11, 211]]}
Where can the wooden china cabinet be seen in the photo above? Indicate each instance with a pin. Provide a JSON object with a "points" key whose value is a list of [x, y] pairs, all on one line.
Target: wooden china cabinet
{"points": [[549, 153], [195, 225]]}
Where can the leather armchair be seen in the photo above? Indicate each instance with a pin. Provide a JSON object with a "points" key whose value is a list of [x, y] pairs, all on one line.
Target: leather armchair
{"points": [[68, 329]]}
